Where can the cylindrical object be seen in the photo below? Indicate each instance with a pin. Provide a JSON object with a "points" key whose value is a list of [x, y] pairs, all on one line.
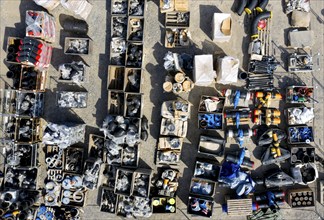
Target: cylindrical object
{"points": [[242, 114], [254, 26], [262, 5], [76, 26], [241, 6], [31, 41], [30, 48], [278, 151], [179, 77], [12, 48], [235, 159], [249, 8], [11, 57], [234, 133], [242, 75], [272, 112], [167, 86]]}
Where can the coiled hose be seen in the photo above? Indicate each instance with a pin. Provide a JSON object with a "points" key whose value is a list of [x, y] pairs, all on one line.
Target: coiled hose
{"points": [[254, 27]]}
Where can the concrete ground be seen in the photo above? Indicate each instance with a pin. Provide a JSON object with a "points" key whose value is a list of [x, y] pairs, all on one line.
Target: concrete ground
{"points": [[12, 14]]}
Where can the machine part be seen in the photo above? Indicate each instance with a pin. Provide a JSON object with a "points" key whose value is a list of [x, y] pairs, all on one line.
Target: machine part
{"points": [[300, 115], [261, 16], [20, 178], [201, 207], [210, 121], [300, 134], [73, 160], [202, 187], [278, 179], [271, 136], [300, 62], [300, 94], [134, 55], [136, 7], [274, 155], [119, 26], [55, 161]]}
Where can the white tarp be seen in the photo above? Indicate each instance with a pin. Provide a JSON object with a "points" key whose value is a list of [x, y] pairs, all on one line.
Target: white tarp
{"points": [[227, 69], [204, 73]]}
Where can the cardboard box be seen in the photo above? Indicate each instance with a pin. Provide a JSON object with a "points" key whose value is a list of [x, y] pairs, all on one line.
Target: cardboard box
{"points": [[197, 185], [211, 146], [75, 164], [41, 77], [173, 127], [53, 151], [210, 174], [164, 205], [140, 175], [129, 174], [210, 121], [303, 154], [35, 128], [116, 77], [126, 153], [298, 198], [135, 29], [96, 147], [164, 8], [171, 19], [176, 109], [119, 20], [170, 143], [194, 201], [11, 181], [204, 74], [116, 102], [166, 157], [76, 96], [130, 104], [135, 12], [133, 75], [118, 54], [134, 61], [27, 160], [84, 71], [211, 104], [177, 38], [67, 42], [221, 27], [108, 201], [114, 9], [300, 140], [239, 207], [293, 91]]}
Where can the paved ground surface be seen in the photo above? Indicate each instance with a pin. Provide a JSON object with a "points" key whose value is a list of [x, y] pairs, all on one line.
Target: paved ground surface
{"points": [[12, 24]]}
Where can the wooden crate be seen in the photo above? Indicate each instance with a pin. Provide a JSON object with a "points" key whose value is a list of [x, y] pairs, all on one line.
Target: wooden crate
{"points": [[40, 80], [116, 77], [171, 20], [116, 102], [239, 207], [298, 198]]}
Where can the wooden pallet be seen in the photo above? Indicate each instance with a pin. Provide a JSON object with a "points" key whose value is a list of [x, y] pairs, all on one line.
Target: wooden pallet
{"points": [[239, 207]]}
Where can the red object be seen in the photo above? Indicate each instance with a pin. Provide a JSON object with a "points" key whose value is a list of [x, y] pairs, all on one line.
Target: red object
{"points": [[262, 24]]}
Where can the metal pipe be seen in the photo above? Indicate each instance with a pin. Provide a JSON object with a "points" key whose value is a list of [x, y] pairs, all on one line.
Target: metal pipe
{"points": [[241, 7]]}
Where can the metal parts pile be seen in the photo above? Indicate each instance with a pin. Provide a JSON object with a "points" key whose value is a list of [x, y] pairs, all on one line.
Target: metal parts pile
{"points": [[78, 46], [72, 99], [63, 135], [74, 72]]}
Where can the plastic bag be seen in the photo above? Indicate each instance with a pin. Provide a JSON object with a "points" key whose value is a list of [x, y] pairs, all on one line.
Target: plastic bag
{"points": [[79, 7], [48, 4]]}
